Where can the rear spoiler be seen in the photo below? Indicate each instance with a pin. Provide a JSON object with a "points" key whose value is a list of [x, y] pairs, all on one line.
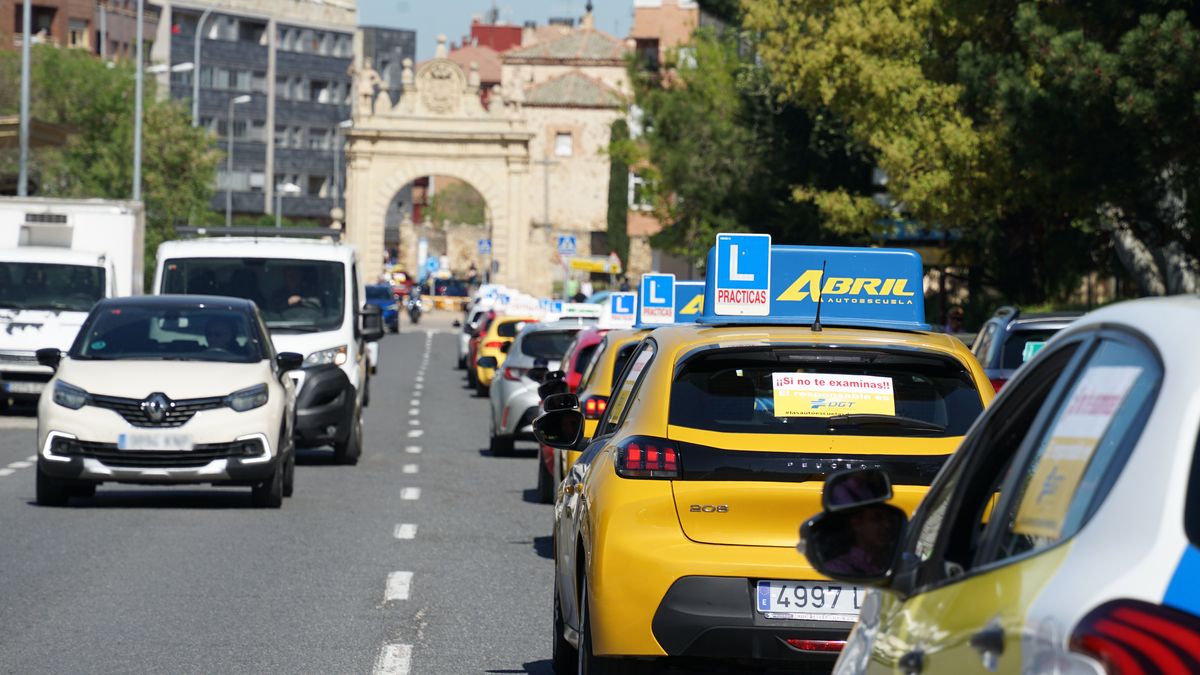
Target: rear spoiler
{"points": [[255, 231]]}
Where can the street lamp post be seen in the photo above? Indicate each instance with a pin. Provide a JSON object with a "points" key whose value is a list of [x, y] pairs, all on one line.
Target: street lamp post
{"points": [[196, 60], [27, 37], [289, 188], [236, 100], [137, 104], [337, 161]]}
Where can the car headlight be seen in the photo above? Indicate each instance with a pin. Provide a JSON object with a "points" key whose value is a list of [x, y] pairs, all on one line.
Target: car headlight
{"points": [[69, 396], [248, 398], [334, 355]]}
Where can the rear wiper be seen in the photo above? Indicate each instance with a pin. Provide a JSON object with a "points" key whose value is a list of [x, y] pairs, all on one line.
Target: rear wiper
{"points": [[866, 420]]}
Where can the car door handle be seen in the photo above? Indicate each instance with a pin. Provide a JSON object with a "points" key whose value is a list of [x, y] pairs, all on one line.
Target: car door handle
{"points": [[913, 662], [989, 642]]}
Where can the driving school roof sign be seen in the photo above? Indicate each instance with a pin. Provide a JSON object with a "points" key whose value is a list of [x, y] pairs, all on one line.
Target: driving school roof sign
{"points": [[656, 302], [689, 301], [867, 287]]}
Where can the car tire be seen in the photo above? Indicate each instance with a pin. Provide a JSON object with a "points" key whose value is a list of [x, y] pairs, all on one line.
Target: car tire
{"points": [[589, 663], [85, 490], [564, 657], [501, 446], [545, 482], [269, 493], [480, 390], [348, 451], [462, 363], [289, 475], [51, 491], [471, 378]]}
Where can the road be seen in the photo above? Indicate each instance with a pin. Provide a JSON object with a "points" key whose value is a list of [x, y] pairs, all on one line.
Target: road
{"points": [[430, 556]]}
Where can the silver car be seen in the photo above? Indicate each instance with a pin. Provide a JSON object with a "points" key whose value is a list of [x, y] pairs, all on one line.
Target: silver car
{"points": [[537, 350]]}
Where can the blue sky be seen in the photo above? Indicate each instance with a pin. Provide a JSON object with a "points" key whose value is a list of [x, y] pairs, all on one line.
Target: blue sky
{"points": [[453, 17]]}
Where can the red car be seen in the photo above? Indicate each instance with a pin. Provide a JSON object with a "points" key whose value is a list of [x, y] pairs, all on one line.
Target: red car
{"points": [[576, 359]]}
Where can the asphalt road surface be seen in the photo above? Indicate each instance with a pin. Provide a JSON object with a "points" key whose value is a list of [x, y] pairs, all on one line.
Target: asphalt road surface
{"points": [[430, 556]]}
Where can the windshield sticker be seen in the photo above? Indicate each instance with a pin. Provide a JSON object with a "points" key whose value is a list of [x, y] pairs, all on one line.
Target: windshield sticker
{"points": [[99, 344], [1073, 441], [825, 395], [1031, 349]]}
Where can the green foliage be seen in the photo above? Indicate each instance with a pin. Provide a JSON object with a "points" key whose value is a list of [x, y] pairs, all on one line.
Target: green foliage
{"points": [[618, 196], [458, 203], [96, 101]]}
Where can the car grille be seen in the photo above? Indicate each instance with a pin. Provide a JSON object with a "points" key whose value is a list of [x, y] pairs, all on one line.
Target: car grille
{"points": [[177, 413], [197, 457]]}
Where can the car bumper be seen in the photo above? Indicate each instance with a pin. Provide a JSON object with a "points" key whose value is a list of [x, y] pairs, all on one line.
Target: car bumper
{"points": [[325, 406], [244, 462], [23, 383]]}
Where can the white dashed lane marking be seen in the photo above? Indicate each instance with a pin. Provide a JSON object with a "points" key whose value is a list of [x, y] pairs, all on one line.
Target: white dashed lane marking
{"points": [[406, 531], [31, 458], [415, 401], [409, 468], [413, 449], [398, 586], [6, 472], [23, 464], [415, 433], [394, 659], [414, 422], [410, 493]]}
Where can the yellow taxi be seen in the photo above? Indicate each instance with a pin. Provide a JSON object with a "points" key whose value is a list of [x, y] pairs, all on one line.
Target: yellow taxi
{"points": [[494, 345], [675, 531]]}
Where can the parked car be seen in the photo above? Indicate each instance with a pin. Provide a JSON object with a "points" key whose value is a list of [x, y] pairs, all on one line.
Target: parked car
{"points": [[168, 389], [383, 296], [1009, 338]]}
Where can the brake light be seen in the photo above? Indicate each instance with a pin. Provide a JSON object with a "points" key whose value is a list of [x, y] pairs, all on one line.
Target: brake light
{"points": [[824, 646], [1131, 637], [514, 374], [594, 407], [494, 344], [642, 457], [998, 383]]}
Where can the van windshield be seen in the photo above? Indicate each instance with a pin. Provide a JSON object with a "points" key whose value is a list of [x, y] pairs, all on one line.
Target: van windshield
{"points": [[297, 295], [69, 288]]}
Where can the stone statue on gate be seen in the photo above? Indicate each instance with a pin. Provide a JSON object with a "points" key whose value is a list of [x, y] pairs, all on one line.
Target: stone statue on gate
{"points": [[366, 83]]}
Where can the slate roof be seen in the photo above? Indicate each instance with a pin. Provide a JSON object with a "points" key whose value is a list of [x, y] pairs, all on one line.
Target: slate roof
{"points": [[584, 44], [573, 89]]}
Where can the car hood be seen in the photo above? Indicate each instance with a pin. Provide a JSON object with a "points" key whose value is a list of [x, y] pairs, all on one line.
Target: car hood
{"points": [[176, 379], [33, 329]]}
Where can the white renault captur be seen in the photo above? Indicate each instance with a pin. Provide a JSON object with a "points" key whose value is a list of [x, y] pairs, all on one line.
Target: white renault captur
{"points": [[168, 389]]}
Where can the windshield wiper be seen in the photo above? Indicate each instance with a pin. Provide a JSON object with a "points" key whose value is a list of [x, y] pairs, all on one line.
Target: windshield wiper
{"points": [[866, 420], [298, 329]]}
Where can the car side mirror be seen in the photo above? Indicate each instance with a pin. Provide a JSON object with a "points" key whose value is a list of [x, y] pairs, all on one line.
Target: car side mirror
{"points": [[487, 362], [852, 489], [456, 324], [49, 357], [505, 347], [553, 375], [549, 388], [536, 374], [561, 402], [559, 428], [372, 323], [858, 545], [289, 361]]}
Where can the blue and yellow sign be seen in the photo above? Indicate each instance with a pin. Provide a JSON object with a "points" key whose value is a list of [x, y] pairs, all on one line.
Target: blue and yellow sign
{"points": [[689, 301]]}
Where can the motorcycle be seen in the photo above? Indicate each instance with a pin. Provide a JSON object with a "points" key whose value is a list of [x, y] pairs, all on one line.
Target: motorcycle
{"points": [[414, 305]]}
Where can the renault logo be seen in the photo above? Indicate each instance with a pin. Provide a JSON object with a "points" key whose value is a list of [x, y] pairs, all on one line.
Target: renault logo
{"points": [[156, 406]]}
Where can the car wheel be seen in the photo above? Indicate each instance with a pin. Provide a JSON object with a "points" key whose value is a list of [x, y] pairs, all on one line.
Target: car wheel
{"points": [[545, 481], [269, 493], [85, 490], [289, 475], [471, 378], [348, 451], [462, 363], [51, 491], [565, 657], [589, 663], [480, 390], [501, 446], [367, 390]]}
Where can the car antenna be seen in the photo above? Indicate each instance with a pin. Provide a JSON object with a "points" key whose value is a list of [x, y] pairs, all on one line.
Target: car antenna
{"points": [[816, 325]]}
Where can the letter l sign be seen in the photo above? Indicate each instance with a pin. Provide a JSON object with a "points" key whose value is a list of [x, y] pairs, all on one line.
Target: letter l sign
{"points": [[733, 266]]}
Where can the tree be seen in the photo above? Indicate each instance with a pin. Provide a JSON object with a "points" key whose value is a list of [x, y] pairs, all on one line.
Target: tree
{"points": [[1051, 134], [458, 203], [618, 196], [95, 100]]}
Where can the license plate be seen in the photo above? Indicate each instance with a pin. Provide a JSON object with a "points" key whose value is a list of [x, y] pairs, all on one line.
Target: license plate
{"points": [[155, 442], [24, 387], [809, 600]]}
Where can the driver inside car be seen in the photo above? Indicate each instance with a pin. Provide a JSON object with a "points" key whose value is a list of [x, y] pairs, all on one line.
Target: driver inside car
{"points": [[297, 290], [219, 334]]}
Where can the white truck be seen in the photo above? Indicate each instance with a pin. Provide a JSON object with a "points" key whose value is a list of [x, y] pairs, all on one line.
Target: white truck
{"points": [[57, 258]]}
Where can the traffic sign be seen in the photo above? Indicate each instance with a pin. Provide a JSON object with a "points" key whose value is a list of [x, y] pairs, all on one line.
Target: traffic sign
{"points": [[742, 275], [657, 300], [566, 244], [485, 247]]}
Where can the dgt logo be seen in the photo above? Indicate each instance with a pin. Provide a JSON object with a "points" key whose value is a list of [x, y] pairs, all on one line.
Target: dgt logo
{"points": [[824, 403]]}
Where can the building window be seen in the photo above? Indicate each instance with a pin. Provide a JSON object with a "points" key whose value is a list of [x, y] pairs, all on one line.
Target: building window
{"points": [[318, 138], [316, 186], [257, 179], [564, 144], [249, 31], [77, 33], [240, 80], [220, 78], [318, 91], [281, 136], [282, 90], [647, 52], [639, 198]]}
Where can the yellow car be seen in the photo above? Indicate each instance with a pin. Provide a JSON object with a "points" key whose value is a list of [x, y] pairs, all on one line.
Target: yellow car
{"points": [[675, 531], [493, 348]]}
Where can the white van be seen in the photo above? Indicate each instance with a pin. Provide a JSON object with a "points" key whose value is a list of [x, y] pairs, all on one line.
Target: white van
{"points": [[311, 296]]}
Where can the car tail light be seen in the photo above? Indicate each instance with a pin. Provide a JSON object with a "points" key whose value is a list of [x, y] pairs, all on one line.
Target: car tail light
{"points": [[594, 407], [823, 646], [643, 457], [494, 344], [998, 383], [514, 374], [1131, 637]]}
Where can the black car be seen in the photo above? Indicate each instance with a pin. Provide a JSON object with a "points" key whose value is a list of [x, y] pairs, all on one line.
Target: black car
{"points": [[1002, 342]]}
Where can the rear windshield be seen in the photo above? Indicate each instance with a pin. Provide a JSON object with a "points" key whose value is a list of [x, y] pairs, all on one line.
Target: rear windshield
{"points": [[510, 329], [1014, 346], [170, 334], [547, 344], [825, 392], [585, 357]]}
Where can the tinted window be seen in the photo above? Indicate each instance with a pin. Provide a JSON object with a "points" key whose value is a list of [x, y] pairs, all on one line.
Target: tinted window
{"points": [[1080, 452], [169, 334], [302, 295], [509, 329], [452, 288], [736, 391], [1014, 345], [624, 392], [379, 293], [73, 288], [584, 358], [622, 358], [593, 364], [546, 344], [983, 343]]}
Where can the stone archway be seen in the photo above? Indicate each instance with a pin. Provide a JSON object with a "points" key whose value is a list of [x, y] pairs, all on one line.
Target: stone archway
{"points": [[438, 127]]}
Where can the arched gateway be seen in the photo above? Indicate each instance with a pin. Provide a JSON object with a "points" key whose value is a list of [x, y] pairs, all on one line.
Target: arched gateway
{"points": [[439, 127]]}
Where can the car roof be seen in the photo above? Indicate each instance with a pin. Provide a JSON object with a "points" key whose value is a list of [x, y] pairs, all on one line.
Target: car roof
{"points": [[180, 301], [257, 247], [51, 254], [687, 337]]}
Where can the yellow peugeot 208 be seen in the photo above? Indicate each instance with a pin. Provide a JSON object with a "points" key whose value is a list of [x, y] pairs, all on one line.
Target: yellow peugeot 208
{"points": [[675, 532]]}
